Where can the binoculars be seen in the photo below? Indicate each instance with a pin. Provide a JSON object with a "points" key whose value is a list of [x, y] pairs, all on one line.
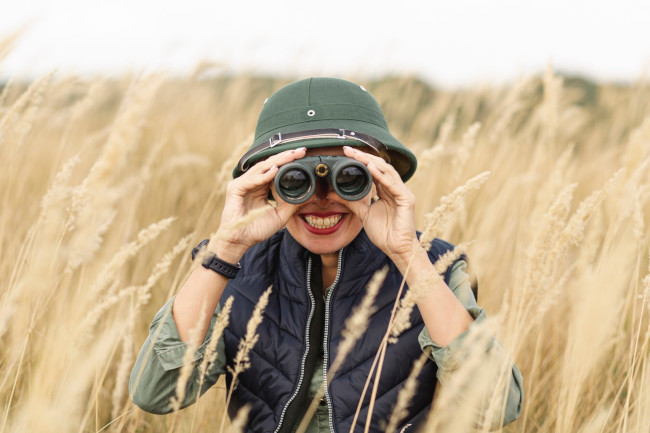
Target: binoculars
{"points": [[296, 182]]}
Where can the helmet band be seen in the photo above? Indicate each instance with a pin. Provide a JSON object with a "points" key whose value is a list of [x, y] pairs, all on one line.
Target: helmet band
{"points": [[290, 137]]}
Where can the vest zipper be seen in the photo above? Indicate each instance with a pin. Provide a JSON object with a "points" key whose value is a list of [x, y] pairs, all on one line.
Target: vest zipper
{"points": [[326, 337], [304, 356]]}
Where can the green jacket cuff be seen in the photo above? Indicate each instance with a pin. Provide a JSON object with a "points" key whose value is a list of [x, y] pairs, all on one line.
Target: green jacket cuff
{"points": [[451, 356]]}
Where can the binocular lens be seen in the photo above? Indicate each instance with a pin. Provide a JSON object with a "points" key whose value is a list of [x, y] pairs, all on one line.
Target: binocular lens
{"points": [[351, 180], [294, 183]]}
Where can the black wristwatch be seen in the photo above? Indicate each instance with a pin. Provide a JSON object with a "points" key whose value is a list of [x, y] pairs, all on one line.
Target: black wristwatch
{"points": [[212, 262]]}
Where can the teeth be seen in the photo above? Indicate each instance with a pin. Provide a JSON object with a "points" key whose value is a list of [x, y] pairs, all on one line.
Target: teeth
{"points": [[323, 223]]}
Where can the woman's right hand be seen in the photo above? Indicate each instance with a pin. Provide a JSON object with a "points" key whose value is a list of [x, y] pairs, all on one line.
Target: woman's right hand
{"points": [[248, 193]]}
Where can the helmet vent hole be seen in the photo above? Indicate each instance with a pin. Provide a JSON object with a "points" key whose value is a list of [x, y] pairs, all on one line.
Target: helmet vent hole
{"points": [[311, 113]]}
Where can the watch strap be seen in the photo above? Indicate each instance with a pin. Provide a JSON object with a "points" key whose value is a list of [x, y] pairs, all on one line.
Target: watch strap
{"points": [[214, 263]]}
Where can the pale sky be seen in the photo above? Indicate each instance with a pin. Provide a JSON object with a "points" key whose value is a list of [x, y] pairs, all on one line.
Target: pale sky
{"points": [[450, 43]]}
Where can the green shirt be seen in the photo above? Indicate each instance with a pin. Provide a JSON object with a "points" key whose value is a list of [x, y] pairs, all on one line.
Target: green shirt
{"points": [[158, 365]]}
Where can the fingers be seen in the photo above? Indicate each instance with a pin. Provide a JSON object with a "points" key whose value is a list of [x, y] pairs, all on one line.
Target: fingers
{"points": [[278, 159], [261, 174], [383, 173], [367, 158]]}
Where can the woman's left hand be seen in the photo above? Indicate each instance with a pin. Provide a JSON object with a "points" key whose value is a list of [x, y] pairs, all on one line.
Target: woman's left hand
{"points": [[389, 221]]}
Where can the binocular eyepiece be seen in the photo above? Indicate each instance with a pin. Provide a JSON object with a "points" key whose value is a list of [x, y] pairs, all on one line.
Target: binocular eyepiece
{"points": [[295, 182]]}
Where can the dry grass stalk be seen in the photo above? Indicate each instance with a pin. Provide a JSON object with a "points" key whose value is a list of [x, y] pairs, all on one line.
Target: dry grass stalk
{"points": [[29, 100], [355, 326], [124, 133], [128, 251], [511, 105], [436, 221], [405, 395], [239, 423], [245, 220], [242, 360], [550, 246], [464, 151], [551, 105], [640, 175], [401, 321], [640, 421], [536, 271], [59, 402], [8, 85], [597, 327], [377, 364], [124, 368], [395, 329], [645, 298], [193, 344], [94, 200], [357, 323], [446, 130], [472, 397], [636, 149], [554, 184], [50, 215], [59, 193], [572, 233], [160, 269], [142, 291], [141, 297], [430, 154], [636, 361], [543, 323], [210, 355]]}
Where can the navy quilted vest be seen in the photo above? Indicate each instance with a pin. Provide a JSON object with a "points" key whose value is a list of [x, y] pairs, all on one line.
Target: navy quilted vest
{"points": [[299, 326]]}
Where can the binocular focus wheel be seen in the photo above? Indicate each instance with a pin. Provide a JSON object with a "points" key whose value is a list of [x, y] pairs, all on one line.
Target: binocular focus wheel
{"points": [[322, 170]]}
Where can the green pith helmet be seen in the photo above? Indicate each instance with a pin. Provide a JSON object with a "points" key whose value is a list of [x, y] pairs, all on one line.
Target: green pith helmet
{"points": [[324, 112]]}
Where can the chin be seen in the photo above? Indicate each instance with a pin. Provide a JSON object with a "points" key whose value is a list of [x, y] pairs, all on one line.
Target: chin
{"points": [[322, 246]]}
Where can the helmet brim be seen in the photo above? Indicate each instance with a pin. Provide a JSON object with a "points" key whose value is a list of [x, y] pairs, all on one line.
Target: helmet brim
{"points": [[400, 156]]}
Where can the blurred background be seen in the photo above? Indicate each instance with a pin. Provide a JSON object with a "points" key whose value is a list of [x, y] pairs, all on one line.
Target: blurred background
{"points": [[449, 44]]}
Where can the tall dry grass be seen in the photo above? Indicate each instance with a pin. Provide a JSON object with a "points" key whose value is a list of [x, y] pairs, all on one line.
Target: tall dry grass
{"points": [[107, 183]]}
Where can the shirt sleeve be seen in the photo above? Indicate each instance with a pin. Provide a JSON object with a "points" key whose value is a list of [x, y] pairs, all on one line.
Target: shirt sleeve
{"points": [[153, 379], [452, 356]]}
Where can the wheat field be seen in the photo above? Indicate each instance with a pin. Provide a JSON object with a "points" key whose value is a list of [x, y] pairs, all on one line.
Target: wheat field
{"points": [[107, 183]]}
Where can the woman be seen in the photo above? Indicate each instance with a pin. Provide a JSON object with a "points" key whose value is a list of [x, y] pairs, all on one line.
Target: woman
{"points": [[318, 251]]}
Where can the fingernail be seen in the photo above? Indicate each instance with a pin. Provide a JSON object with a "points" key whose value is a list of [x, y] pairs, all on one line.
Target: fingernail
{"points": [[301, 148]]}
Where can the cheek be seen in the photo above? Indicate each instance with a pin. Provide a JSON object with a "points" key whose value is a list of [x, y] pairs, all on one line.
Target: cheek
{"points": [[355, 224]]}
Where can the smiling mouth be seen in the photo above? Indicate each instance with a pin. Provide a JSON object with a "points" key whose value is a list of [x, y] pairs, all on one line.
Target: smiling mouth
{"points": [[322, 223]]}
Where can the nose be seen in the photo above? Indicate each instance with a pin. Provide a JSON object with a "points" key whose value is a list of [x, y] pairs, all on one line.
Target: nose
{"points": [[323, 188]]}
